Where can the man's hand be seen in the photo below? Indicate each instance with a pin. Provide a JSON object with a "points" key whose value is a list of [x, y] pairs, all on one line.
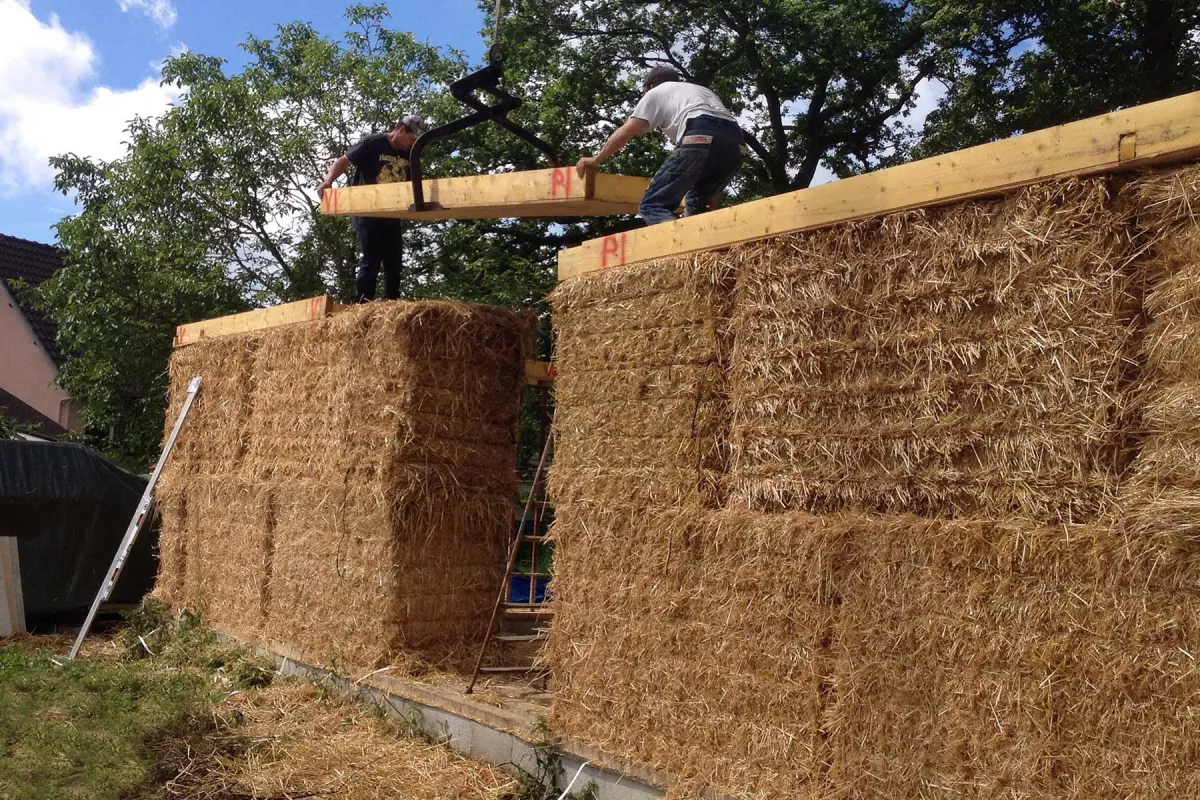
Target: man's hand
{"points": [[325, 184], [585, 164]]}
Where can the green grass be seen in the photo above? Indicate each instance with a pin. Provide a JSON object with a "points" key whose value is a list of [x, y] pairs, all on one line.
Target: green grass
{"points": [[105, 725], [76, 729]]}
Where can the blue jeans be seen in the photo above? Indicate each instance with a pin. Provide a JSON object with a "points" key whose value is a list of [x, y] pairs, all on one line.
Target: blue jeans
{"points": [[694, 173], [381, 245]]}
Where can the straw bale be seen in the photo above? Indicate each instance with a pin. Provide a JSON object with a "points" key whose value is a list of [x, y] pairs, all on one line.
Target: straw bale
{"points": [[361, 572], [298, 426], [216, 547], [643, 395], [1162, 498], [980, 659], [215, 437], [366, 512], [696, 641], [783, 655], [954, 362]]}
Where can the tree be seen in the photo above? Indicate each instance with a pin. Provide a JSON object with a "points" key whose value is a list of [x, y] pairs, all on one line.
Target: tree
{"points": [[1078, 59], [815, 82]]}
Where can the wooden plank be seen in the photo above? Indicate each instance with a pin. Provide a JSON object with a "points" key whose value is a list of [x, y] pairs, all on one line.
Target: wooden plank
{"points": [[12, 602], [1167, 131], [260, 319], [540, 372], [534, 193]]}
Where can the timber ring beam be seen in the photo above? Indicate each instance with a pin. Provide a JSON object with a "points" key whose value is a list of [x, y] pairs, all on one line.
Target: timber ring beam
{"points": [[558, 192], [1164, 132]]}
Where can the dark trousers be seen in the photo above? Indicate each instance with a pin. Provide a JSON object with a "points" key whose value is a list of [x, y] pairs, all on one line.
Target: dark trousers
{"points": [[693, 173], [381, 244]]}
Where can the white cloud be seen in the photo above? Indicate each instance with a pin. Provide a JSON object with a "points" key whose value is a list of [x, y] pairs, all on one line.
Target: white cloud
{"points": [[161, 11], [49, 103]]}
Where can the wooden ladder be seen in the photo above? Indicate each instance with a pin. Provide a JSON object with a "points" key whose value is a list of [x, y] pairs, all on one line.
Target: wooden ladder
{"points": [[525, 619]]}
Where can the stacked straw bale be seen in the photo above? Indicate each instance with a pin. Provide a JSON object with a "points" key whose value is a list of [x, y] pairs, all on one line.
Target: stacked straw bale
{"points": [[956, 362], [939, 556], [642, 395], [202, 489], [986, 659], [349, 486], [789, 655], [1163, 499], [696, 641]]}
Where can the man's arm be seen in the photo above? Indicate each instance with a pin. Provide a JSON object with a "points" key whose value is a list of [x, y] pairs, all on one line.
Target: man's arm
{"points": [[336, 170], [619, 138]]}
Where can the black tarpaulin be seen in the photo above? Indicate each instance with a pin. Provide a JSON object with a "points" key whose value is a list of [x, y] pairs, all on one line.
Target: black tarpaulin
{"points": [[69, 508]]}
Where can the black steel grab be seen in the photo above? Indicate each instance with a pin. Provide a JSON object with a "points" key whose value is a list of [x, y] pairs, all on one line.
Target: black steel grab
{"points": [[485, 80]]}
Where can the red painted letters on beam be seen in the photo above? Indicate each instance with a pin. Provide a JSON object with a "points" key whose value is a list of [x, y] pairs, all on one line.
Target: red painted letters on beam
{"points": [[561, 179], [612, 251]]}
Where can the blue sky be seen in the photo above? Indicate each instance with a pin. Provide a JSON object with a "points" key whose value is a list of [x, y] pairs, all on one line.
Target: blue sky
{"points": [[72, 72]]}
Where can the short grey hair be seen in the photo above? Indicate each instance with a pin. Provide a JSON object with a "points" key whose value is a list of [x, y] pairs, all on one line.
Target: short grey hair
{"points": [[414, 123]]}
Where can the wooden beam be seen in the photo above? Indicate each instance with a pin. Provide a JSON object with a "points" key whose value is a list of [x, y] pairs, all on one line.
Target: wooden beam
{"points": [[287, 314], [535, 193], [1167, 131], [540, 372], [12, 601]]}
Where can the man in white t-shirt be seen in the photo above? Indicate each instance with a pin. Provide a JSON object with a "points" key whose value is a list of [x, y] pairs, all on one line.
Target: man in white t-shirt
{"points": [[707, 139]]}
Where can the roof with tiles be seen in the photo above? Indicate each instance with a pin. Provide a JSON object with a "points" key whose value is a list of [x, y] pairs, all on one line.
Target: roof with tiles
{"points": [[31, 262], [27, 418]]}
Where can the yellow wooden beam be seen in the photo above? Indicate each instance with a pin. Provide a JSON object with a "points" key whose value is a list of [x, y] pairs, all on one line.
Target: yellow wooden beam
{"points": [[1167, 131], [259, 319], [535, 193]]}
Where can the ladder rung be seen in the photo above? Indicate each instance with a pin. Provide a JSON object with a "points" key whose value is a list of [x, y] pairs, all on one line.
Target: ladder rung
{"points": [[519, 637], [523, 609], [513, 669]]}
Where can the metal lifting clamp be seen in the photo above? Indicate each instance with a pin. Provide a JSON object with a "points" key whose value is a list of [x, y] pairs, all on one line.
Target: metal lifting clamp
{"points": [[486, 80]]}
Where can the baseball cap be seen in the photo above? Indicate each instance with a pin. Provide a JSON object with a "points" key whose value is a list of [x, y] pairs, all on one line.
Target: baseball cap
{"points": [[414, 123]]}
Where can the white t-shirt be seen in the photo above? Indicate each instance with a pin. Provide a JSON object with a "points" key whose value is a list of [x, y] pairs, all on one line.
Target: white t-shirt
{"points": [[668, 107]]}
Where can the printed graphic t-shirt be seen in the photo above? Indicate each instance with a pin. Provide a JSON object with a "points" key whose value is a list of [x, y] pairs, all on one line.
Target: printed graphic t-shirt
{"points": [[376, 161], [668, 107]]}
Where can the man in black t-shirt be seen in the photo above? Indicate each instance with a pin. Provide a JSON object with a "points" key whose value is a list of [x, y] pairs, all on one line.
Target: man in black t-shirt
{"points": [[379, 158]]}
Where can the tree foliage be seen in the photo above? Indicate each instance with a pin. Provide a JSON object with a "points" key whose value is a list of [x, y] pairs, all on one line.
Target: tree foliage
{"points": [[815, 82], [1075, 60]]}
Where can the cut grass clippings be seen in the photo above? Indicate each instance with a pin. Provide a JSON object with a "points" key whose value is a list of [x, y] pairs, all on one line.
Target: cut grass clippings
{"points": [[164, 710]]}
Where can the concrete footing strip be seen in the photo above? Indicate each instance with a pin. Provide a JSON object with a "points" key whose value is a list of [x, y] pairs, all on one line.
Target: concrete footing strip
{"points": [[493, 740]]}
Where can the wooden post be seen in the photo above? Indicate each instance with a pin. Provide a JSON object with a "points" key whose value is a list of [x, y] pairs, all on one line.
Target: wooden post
{"points": [[12, 601]]}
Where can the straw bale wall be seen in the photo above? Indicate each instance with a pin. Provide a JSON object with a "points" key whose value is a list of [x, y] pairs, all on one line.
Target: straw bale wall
{"points": [[946, 547], [347, 486]]}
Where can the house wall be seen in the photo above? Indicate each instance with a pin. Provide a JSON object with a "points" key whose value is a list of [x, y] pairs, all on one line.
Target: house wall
{"points": [[26, 369]]}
